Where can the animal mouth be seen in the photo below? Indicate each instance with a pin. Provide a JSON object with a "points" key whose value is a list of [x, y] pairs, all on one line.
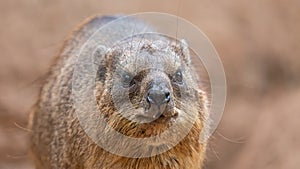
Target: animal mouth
{"points": [[157, 117], [149, 126], [155, 111]]}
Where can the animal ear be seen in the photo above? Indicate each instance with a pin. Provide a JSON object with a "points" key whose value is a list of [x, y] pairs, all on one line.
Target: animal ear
{"points": [[99, 53], [182, 49], [105, 58], [99, 62]]}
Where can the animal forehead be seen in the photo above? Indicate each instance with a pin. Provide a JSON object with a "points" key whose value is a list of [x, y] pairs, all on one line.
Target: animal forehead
{"points": [[144, 60], [148, 52]]}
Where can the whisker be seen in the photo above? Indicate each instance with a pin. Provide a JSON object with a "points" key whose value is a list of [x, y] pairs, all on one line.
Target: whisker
{"points": [[215, 153], [143, 37], [22, 128], [230, 140], [22, 156], [177, 19], [132, 36]]}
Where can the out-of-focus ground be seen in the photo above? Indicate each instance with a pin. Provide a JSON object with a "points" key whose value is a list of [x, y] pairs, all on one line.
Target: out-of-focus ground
{"points": [[258, 42]]}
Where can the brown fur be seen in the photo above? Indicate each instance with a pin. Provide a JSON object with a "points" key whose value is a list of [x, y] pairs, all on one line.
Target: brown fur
{"points": [[58, 140]]}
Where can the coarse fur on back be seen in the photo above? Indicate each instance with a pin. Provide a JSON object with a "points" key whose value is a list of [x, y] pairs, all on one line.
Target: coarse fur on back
{"points": [[58, 139]]}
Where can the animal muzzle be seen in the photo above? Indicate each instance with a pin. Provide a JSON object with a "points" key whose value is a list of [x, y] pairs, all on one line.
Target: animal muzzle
{"points": [[158, 97]]}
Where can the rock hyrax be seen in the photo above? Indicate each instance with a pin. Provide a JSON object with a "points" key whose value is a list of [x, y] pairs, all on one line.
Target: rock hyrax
{"points": [[144, 84]]}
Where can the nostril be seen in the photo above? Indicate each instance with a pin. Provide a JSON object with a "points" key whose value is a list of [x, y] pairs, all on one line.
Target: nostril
{"points": [[149, 99], [158, 97], [168, 97]]}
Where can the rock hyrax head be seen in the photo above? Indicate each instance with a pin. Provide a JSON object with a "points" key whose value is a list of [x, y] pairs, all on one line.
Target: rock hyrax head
{"points": [[149, 83]]}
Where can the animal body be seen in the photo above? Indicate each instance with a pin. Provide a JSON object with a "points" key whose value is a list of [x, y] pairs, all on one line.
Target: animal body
{"points": [[150, 78]]}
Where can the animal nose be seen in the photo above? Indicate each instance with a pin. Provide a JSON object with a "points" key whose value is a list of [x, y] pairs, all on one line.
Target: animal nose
{"points": [[158, 96]]}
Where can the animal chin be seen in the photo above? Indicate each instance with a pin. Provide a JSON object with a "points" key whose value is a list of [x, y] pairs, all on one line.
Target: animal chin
{"points": [[156, 116], [145, 125], [155, 111]]}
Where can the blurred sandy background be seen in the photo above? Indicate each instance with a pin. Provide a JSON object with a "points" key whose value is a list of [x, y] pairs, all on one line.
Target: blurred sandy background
{"points": [[258, 42]]}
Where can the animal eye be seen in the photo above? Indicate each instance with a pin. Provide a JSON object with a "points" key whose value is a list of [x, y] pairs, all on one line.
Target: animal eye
{"points": [[127, 80], [178, 77]]}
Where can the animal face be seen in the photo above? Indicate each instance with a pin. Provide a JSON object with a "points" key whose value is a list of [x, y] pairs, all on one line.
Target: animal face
{"points": [[149, 81]]}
